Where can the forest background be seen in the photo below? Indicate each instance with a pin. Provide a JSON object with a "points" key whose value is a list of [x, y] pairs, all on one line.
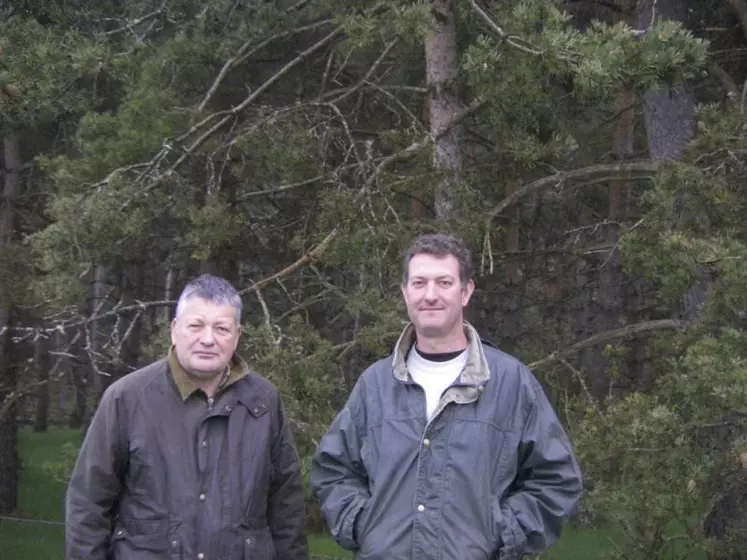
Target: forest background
{"points": [[592, 153]]}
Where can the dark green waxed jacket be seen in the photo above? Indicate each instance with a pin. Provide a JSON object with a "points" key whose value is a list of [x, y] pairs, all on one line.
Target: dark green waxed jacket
{"points": [[147, 487]]}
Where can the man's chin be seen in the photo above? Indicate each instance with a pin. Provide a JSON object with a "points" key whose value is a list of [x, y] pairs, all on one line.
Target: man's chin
{"points": [[432, 331], [203, 372]]}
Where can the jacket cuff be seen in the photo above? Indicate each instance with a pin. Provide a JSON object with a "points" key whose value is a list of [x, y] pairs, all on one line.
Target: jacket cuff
{"points": [[345, 535], [513, 539]]}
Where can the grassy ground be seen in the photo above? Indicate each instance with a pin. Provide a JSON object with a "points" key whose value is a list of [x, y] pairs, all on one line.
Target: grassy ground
{"points": [[42, 498]]}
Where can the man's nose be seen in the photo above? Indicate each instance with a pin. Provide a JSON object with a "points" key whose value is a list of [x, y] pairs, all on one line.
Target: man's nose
{"points": [[430, 291], [207, 337]]}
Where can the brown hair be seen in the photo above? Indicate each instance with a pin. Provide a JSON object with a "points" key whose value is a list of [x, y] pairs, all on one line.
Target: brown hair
{"points": [[440, 245]]}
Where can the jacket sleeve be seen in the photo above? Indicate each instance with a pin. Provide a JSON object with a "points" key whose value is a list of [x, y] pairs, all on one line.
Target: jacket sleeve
{"points": [[96, 482], [548, 484], [286, 507], [338, 475]]}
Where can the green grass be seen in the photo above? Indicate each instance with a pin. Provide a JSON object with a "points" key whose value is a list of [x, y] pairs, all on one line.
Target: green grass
{"points": [[42, 497]]}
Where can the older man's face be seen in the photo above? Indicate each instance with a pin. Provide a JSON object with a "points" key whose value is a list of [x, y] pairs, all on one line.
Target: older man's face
{"points": [[205, 336]]}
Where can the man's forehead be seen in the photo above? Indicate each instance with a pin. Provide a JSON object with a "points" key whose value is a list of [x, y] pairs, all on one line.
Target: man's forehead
{"points": [[203, 309], [424, 264]]}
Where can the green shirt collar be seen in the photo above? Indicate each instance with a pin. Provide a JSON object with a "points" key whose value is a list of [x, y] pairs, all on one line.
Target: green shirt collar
{"points": [[238, 369]]}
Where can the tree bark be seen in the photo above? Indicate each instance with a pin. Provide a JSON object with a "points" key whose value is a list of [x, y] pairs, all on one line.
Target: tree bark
{"points": [[513, 274], [607, 308], [669, 114], [42, 365], [441, 64], [80, 375], [9, 461]]}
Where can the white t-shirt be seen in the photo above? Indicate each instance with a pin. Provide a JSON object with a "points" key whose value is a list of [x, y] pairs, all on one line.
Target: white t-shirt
{"points": [[434, 377]]}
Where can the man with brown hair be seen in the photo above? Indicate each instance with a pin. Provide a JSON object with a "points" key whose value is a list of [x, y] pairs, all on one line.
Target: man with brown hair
{"points": [[448, 448]]}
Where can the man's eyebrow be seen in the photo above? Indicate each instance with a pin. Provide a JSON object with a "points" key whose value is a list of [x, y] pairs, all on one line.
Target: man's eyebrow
{"points": [[441, 277]]}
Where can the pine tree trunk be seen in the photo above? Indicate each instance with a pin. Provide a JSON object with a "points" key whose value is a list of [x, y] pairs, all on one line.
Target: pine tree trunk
{"points": [[9, 461], [42, 364], [441, 62]]}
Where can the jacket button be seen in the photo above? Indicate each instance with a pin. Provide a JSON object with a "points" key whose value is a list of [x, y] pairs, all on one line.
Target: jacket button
{"points": [[228, 408], [421, 508], [427, 442], [120, 533], [200, 556], [203, 497], [174, 543], [249, 541], [204, 443]]}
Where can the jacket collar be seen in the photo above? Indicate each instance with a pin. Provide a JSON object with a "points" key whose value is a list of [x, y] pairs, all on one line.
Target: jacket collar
{"points": [[476, 372], [238, 369]]}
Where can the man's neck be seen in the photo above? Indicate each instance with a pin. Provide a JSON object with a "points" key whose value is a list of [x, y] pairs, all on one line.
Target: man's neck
{"points": [[440, 345], [210, 386]]}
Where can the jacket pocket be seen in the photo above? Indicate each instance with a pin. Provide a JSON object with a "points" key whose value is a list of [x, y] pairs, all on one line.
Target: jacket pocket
{"points": [[258, 544], [144, 540], [497, 524]]}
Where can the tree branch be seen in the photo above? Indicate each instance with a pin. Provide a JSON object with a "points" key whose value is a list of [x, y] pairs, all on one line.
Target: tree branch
{"points": [[740, 6], [244, 104], [513, 40], [419, 146], [598, 338], [307, 258], [594, 173], [731, 87], [282, 188], [242, 54], [368, 74], [135, 22]]}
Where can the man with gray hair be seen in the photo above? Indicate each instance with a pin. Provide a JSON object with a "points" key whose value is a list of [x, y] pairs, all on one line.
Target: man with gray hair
{"points": [[191, 456]]}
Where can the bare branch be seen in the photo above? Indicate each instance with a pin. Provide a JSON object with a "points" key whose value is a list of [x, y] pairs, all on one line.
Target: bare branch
{"points": [[419, 146], [368, 74], [282, 188], [252, 96], [598, 338], [731, 87], [14, 396], [135, 22], [242, 54], [307, 258], [593, 173], [740, 6]]}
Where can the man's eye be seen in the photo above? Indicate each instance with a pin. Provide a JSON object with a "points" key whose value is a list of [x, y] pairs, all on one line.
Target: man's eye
{"points": [[194, 326], [223, 330]]}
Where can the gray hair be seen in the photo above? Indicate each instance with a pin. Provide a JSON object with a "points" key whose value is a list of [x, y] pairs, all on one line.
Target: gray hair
{"points": [[213, 289]]}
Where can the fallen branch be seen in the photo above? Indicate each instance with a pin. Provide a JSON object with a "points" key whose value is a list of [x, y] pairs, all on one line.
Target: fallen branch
{"points": [[599, 338]]}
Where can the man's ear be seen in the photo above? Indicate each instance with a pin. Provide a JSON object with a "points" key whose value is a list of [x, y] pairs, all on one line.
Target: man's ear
{"points": [[467, 292], [173, 328]]}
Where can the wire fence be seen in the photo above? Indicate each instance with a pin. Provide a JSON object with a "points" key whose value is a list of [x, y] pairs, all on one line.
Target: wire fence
{"points": [[61, 525]]}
